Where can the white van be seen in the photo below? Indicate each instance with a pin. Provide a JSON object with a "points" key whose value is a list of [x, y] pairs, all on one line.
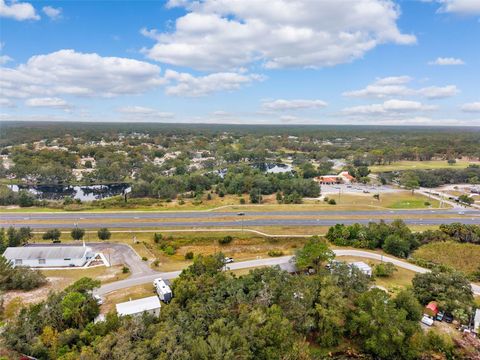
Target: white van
{"points": [[427, 320]]}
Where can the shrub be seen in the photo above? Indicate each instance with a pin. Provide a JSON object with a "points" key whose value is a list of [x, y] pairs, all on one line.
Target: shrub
{"points": [[332, 202], [384, 270], [53, 234], [275, 253], [157, 237], [156, 263], [242, 201], [325, 199], [169, 250], [189, 255], [226, 240], [125, 269], [77, 233], [427, 203], [104, 234]]}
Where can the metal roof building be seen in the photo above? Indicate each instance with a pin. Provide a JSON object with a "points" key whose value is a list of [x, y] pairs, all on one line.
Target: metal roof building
{"points": [[48, 255], [150, 305], [363, 267]]}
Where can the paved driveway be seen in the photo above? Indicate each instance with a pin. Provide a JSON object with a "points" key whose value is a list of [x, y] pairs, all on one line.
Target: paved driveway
{"points": [[118, 254]]}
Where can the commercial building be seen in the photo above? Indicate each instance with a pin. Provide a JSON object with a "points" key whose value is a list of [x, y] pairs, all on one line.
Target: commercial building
{"points": [[48, 256]]}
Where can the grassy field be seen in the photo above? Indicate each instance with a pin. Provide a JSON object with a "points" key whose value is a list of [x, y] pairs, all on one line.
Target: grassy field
{"points": [[60, 279], [463, 257], [356, 202], [419, 165]]}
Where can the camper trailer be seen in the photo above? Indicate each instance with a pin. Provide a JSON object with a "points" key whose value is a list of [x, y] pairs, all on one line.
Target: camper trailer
{"points": [[163, 290]]}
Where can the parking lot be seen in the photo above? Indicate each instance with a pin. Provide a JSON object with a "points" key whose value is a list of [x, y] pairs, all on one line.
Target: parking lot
{"points": [[356, 189]]}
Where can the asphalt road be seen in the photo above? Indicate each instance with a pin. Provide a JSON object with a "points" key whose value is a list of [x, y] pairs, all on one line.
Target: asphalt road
{"points": [[195, 219], [75, 217], [415, 220], [285, 262]]}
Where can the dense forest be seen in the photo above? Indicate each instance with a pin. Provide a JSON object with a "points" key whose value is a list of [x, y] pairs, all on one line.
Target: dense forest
{"points": [[266, 314]]}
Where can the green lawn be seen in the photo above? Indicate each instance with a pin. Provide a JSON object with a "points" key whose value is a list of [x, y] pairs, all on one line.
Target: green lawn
{"points": [[410, 204], [463, 257], [419, 165]]}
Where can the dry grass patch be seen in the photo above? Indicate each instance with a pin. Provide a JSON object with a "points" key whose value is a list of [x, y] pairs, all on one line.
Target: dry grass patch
{"points": [[420, 165], [463, 257]]}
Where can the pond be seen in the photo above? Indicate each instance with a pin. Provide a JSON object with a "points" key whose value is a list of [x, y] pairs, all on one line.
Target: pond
{"points": [[83, 193]]}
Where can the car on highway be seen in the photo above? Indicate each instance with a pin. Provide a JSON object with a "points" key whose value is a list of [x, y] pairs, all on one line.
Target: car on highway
{"points": [[228, 260], [98, 299]]}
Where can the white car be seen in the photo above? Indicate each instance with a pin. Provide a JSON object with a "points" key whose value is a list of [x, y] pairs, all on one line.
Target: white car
{"points": [[98, 299], [427, 320], [228, 260]]}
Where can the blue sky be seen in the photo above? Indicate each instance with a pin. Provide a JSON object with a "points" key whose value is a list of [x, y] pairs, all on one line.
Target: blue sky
{"points": [[242, 61]]}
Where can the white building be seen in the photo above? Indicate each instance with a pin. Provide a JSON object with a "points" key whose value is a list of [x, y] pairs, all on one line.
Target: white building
{"points": [[360, 265], [43, 256], [150, 305], [476, 322]]}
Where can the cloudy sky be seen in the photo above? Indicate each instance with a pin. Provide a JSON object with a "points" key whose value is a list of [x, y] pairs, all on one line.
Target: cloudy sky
{"points": [[412, 62]]}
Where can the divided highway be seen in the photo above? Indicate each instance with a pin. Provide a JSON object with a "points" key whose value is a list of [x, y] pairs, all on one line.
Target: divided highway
{"points": [[194, 219]]}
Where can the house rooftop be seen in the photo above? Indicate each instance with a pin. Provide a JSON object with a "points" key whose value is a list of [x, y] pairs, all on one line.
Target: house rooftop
{"points": [[45, 252], [137, 306], [361, 265]]}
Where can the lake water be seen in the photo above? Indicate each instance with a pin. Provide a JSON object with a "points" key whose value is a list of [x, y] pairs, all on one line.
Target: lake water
{"points": [[83, 193]]}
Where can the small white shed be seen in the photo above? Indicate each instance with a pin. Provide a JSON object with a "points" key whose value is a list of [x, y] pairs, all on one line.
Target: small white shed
{"points": [[150, 305], [363, 267]]}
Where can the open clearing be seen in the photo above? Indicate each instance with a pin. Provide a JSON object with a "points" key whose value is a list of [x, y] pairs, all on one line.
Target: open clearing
{"points": [[345, 201], [463, 257], [420, 165], [400, 279]]}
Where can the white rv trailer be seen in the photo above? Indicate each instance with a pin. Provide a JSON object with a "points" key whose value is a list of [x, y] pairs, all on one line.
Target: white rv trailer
{"points": [[163, 290]]}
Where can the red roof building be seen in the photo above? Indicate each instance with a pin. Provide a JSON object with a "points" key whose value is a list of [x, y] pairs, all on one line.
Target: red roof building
{"points": [[431, 309]]}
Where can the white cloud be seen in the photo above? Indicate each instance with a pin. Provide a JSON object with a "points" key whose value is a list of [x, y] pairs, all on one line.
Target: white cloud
{"points": [[49, 102], [145, 112], [396, 86], [18, 11], [184, 84], [462, 7], [389, 106], [6, 103], [297, 104], [67, 72], [438, 92], [4, 59], [471, 107], [52, 13], [224, 34], [442, 61], [221, 113]]}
